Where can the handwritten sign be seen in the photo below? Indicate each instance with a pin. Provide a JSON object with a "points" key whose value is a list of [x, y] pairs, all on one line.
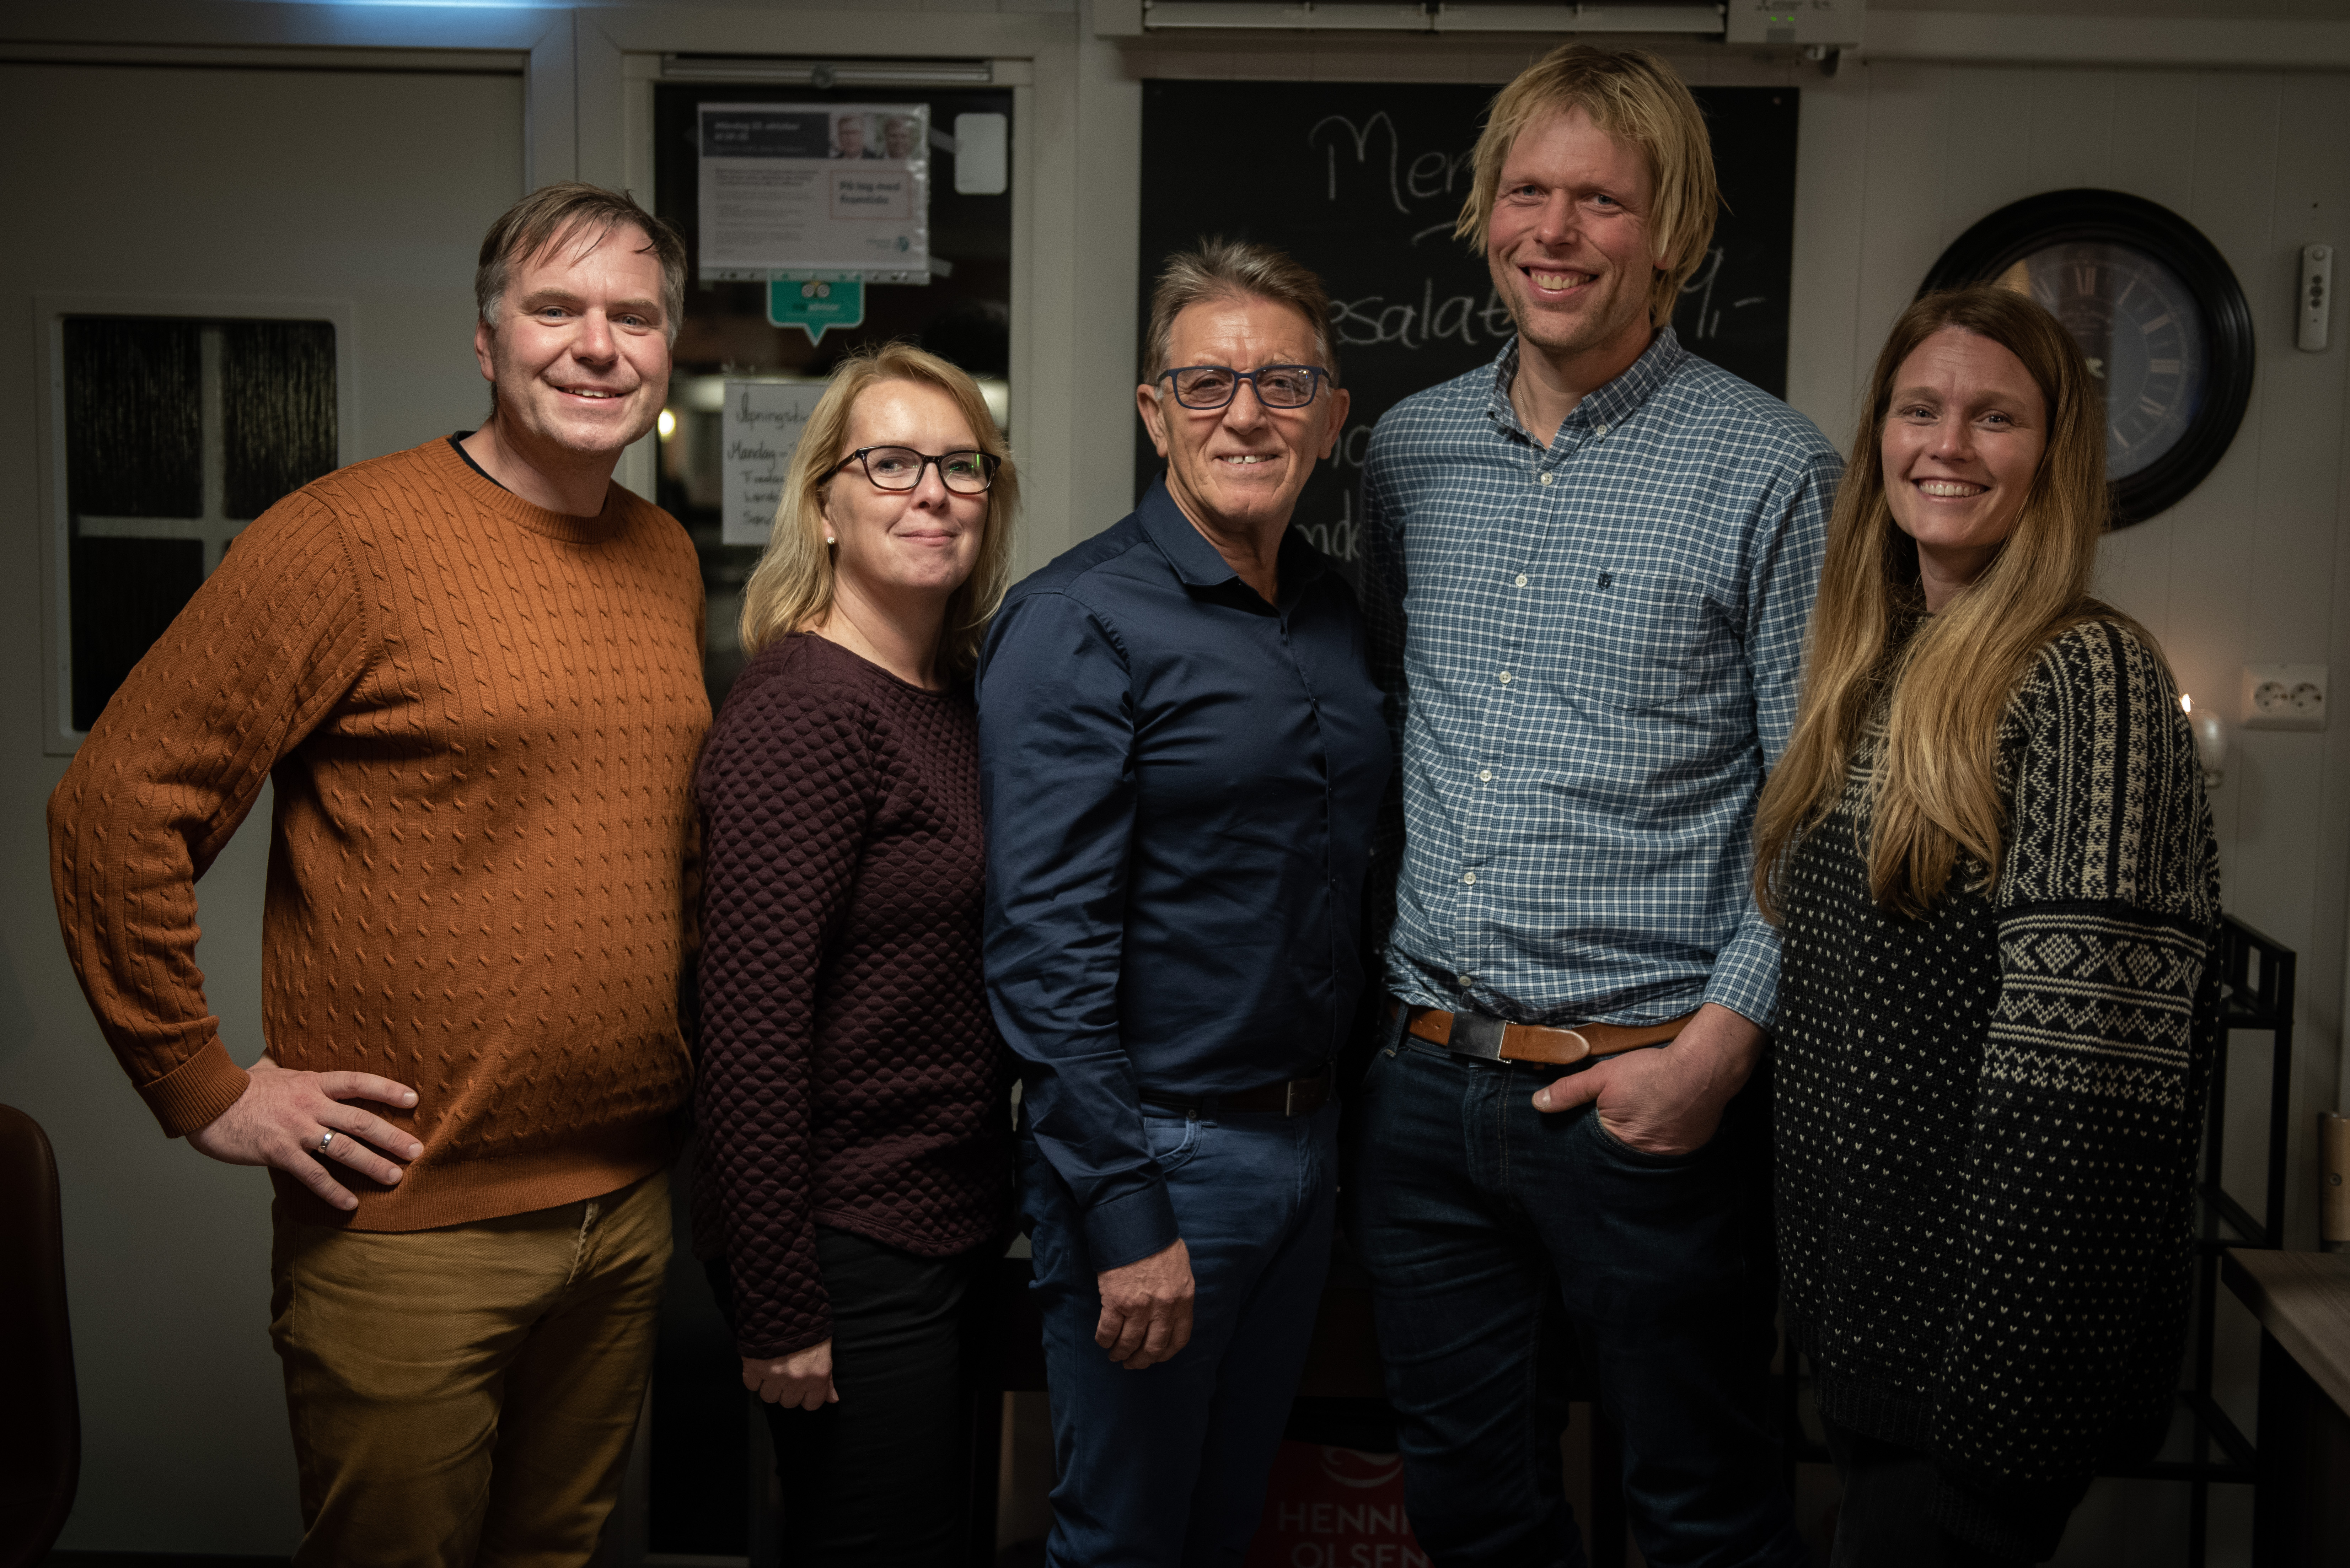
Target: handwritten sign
{"points": [[759, 433], [1362, 181]]}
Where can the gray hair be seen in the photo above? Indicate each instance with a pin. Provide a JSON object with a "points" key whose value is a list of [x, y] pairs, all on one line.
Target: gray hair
{"points": [[552, 211], [1220, 269]]}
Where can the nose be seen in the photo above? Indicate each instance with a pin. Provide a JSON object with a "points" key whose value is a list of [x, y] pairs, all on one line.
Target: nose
{"points": [[931, 489], [594, 343], [1954, 439], [1556, 225], [1246, 410]]}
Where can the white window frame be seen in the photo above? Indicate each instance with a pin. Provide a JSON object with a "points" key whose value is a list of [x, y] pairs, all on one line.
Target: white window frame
{"points": [[59, 737]]}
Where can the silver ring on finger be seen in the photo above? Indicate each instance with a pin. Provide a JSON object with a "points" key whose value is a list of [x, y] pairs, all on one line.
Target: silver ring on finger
{"points": [[326, 1142]]}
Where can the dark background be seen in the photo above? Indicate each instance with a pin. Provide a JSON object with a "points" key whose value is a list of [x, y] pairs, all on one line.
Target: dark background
{"points": [[1362, 181]]}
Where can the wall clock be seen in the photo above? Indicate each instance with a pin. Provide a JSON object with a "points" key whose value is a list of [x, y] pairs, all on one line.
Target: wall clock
{"points": [[2157, 313]]}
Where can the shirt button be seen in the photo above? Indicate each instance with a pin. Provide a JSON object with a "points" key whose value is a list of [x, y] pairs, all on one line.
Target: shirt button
{"points": [[1600, 429], [1485, 775], [1505, 678], [1522, 579], [1468, 979], [1470, 877], [1541, 479]]}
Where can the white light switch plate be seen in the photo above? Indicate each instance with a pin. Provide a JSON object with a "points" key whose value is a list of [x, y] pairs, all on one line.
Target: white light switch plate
{"points": [[2284, 697]]}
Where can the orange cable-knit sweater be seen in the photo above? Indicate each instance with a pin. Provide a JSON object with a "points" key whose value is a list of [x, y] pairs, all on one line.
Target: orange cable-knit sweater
{"points": [[481, 719]]}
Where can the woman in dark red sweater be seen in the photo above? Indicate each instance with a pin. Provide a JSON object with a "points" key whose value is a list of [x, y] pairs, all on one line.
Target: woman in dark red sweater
{"points": [[853, 1180]]}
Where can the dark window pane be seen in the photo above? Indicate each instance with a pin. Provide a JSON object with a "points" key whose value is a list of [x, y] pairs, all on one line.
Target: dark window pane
{"points": [[134, 413], [125, 592], [277, 409]]}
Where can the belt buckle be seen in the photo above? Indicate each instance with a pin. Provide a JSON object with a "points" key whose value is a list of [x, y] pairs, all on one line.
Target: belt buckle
{"points": [[1289, 1098], [1476, 1034]]}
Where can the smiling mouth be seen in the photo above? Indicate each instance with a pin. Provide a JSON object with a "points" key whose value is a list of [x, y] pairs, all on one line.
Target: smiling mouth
{"points": [[1557, 282], [1246, 459], [590, 393], [1950, 489]]}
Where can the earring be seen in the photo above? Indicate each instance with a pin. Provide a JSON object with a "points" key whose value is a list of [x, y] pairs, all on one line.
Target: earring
{"points": [[830, 540]]}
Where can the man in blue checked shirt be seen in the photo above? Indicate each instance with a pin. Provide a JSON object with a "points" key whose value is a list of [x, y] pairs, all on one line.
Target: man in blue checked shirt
{"points": [[1589, 569]]}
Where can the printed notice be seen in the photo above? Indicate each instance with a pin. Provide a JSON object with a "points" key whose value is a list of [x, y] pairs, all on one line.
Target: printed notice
{"points": [[792, 188], [760, 431]]}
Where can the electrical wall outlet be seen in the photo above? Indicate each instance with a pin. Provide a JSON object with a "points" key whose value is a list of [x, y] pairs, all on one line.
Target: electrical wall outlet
{"points": [[2284, 696], [2316, 301]]}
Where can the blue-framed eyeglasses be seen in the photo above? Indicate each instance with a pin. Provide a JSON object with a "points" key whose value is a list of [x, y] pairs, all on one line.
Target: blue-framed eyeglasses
{"points": [[1277, 386]]}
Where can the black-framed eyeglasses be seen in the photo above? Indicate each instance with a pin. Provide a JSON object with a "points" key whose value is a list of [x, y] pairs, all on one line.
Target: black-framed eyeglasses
{"points": [[1277, 386], [901, 468]]}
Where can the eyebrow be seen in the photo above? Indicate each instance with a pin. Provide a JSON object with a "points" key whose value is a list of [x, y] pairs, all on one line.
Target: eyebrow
{"points": [[537, 297], [2002, 400]]}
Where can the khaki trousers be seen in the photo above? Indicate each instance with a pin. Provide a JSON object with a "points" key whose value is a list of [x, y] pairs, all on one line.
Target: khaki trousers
{"points": [[464, 1397]]}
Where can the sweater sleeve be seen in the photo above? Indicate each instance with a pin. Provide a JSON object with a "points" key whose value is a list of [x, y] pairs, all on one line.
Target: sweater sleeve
{"points": [[2066, 1344], [785, 788], [274, 637]]}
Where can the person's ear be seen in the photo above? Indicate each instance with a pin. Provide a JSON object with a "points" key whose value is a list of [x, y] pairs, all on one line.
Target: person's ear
{"points": [[1341, 401], [1154, 418]]}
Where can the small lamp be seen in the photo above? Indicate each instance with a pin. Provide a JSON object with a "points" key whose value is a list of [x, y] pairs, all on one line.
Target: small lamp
{"points": [[2210, 742]]}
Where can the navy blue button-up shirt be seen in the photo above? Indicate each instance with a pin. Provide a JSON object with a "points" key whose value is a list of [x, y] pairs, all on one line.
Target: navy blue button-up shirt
{"points": [[1181, 784]]}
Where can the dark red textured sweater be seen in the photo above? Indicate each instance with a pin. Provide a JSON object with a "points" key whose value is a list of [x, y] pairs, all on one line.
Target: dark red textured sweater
{"points": [[850, 1072]]}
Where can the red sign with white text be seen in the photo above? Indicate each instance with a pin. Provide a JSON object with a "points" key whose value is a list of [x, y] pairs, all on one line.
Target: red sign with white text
{"points": [[1334, 1508]]}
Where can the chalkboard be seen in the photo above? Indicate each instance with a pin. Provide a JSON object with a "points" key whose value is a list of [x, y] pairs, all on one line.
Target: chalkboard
{"points": [[1362, 181]]}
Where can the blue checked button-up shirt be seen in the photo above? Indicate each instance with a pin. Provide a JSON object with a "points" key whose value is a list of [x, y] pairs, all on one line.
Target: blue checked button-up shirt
{"points": [[1590, 653]]}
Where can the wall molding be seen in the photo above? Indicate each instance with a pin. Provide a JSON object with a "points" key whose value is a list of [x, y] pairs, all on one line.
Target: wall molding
{"points": [[2194, 42]]}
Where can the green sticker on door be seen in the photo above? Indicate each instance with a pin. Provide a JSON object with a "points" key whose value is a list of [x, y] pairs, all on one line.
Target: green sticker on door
{"points": [[817, 304]]}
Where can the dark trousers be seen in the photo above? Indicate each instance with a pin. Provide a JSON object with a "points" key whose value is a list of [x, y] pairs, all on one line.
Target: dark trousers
{"points": [[1167, 1466], [1486, 1225], [1893, 1496], [882, 1478]]}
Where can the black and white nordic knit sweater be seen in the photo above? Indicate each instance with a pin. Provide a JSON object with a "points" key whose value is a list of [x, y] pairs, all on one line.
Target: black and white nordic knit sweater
{"points": [[1986, 1118]]}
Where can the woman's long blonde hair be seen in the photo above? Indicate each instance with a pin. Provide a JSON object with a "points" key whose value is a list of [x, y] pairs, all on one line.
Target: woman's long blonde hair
{"points": [[1952, 674], [791, 589]]}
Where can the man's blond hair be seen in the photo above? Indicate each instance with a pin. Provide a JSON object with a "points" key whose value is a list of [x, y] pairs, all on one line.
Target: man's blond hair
{"points": [[1637, 99]]}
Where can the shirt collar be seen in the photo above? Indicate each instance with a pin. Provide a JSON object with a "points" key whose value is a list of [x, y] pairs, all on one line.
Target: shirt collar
{"points": [[1607, 405], [1198, 563]]}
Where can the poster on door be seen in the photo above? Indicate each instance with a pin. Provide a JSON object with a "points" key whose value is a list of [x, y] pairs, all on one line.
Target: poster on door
{"points": [[791, 190], [759, 432]]}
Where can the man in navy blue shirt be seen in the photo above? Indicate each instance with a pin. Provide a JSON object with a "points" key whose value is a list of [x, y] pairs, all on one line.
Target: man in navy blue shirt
{"points": [[1181, 756]]}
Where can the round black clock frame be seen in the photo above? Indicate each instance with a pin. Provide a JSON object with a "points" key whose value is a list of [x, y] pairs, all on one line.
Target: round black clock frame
{"points": [[2110, 217]]}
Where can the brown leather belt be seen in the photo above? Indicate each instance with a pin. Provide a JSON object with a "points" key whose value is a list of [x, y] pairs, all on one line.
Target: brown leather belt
{"points": [[1474, 1034], [1297, 1097]]}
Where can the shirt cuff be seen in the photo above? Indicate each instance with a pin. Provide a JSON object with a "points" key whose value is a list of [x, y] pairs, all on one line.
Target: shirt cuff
{"points": [[1131, 1227], [1746, 974], [192, 1095]]}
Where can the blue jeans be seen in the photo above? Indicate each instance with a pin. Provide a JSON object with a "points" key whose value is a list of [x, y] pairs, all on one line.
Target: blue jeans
{"points": [[1489, 1227], [1167, 1465]]}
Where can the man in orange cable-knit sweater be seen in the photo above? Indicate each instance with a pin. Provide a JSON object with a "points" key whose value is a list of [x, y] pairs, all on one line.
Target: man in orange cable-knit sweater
{"points": [[473, 670]]}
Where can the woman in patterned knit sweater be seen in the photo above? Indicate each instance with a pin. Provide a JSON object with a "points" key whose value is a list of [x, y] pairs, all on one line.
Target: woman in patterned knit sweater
{"points": [[854, 1175], [1989, 848]]}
